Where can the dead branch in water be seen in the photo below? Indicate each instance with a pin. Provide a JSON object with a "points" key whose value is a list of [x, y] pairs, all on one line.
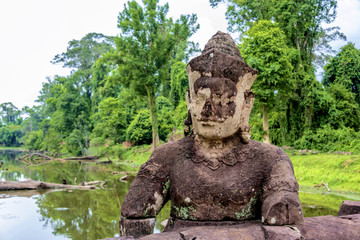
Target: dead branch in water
{"points": [[326, 185], [32, 185], [27, 157]]}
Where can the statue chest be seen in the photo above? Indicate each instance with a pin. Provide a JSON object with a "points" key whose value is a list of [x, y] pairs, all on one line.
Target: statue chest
{"points": [[229, 192]]}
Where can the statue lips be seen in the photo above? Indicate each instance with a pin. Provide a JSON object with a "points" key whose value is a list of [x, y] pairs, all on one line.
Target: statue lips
{"points": [[210, 122]]}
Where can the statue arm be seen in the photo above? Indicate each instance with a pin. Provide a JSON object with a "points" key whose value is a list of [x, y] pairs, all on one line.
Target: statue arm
{"points": [[147, 195], [281, 204]]}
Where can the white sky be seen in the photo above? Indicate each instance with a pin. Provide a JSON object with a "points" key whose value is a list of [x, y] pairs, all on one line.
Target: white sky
{"points": [[34, 31]]}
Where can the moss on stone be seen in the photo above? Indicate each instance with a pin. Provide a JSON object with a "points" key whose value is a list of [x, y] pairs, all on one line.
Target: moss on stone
{"points": [[246, 212], [183, 212], [166, 187]]}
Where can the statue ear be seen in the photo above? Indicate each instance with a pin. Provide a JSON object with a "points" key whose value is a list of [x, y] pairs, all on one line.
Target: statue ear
{"points": [[249, 97], [187, 98], [188, 121]]}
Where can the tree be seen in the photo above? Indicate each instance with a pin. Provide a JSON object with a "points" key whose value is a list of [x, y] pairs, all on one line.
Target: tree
{"points": [[145, 46], [111, 121], [178, 83], [264, 48], [301, 22], [81, 55], [9, 113], [68, 102], [344, 69]]}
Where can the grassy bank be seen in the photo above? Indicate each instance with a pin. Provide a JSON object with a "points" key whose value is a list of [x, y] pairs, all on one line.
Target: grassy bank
{"points": [[130, 159], [340, 172]]}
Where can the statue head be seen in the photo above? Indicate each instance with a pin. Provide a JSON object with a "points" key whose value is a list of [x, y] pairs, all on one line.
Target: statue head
{"points": [[219, 97]]}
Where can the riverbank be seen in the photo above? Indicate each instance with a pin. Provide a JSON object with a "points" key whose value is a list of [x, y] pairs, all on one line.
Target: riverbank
{"points": [[340, 172]]}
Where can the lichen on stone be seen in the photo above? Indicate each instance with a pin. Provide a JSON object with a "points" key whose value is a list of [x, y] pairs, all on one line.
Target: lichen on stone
{"points": [[247, 211], [183, 212], [166, 187]]}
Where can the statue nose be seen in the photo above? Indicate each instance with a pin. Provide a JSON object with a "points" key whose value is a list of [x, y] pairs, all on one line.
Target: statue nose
{"points": [[208, 108]]}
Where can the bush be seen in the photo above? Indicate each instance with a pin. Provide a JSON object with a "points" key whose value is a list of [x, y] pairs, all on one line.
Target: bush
{"points": [[75, 143], [328, 139], [180, 114], [165, 117], [140, 129], [34, 140], [10, 135]]}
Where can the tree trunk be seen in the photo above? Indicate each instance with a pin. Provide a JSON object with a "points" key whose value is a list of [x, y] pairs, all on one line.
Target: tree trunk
{"points": [[266, 125], [152, 105]]}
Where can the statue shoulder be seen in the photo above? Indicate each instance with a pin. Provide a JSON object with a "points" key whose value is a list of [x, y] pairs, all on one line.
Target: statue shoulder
{"points": [[268, 152], [167, 152]]}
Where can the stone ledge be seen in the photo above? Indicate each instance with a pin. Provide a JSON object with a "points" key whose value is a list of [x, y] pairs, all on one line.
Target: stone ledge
{"points": [[319, 228], [349, 207]]}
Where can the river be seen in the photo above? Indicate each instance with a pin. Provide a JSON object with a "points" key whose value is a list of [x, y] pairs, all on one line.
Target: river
{"points": [[93, 214]]}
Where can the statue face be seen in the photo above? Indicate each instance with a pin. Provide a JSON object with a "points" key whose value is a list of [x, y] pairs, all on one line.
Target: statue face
{"points": [[218, 107], [219, 97]]}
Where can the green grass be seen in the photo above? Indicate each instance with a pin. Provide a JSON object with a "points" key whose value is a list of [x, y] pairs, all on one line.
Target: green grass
{"points": [[130, 159], [137, 155], [340, 172]]}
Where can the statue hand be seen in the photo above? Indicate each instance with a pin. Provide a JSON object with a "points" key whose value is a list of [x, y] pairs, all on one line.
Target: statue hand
{"points": [[282, 209], [136, 227]]}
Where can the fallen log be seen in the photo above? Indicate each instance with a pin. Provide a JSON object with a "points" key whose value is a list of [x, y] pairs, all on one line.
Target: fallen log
{"points": [[32, 185], [80, 158], [28, 156]]}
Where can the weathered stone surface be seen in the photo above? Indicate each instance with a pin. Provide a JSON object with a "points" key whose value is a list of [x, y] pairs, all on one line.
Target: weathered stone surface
{"points": [[178, 225], [330, 228], [120, 238], [227, 230], [314, 228], [353, 217], [282, 233], [136, 227], [247, 232], [349, 207]]}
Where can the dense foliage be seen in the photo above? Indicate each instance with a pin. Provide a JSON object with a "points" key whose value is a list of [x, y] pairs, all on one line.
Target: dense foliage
{"points": [[131, 87]]}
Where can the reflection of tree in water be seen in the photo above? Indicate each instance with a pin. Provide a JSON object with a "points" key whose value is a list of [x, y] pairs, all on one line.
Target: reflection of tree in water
{"points": [[78, 214], [321, 204], [7, 157], [83, 214]]}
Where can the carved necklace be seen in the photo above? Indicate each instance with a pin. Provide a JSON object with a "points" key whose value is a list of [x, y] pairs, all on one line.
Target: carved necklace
{"points": [[214, 160]]}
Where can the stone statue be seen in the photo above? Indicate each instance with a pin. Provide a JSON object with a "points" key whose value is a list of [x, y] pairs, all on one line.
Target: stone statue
{"points": [[216, 173]]}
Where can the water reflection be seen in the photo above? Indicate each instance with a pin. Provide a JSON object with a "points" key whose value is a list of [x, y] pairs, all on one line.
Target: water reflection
{"points": [[65, 214], [81, 214]]}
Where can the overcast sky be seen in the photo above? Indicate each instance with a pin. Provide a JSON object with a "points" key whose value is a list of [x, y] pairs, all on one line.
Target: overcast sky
{"points": [[34, 31]]}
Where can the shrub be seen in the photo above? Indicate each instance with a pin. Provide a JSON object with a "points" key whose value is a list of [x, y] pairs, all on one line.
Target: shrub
{"points": [[34, 140], [140, 129], [327, 138]]}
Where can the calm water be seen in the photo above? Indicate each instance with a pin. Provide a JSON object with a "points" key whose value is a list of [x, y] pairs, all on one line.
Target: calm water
{"points": [[88, 214]]}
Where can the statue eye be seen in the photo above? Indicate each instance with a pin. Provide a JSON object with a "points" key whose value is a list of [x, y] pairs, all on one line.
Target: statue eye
{"points": [[229, 73], [216, 98]]}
